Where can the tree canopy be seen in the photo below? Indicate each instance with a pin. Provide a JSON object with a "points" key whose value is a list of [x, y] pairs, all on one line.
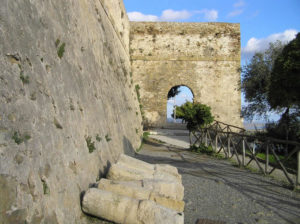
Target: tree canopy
{"points": [[284, 90], [271, 81], [196, 115], [256, 81]]}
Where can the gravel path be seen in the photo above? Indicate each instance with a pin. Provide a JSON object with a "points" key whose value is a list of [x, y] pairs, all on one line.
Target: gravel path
{"points": [[216, 190]]}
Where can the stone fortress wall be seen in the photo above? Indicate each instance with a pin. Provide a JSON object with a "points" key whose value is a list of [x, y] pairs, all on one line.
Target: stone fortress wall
{"points": [[202, 56], [68, 105], [64, 79]]}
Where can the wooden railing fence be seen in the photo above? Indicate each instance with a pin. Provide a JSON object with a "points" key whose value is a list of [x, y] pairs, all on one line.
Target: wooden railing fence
{"points": [[265, 152]]}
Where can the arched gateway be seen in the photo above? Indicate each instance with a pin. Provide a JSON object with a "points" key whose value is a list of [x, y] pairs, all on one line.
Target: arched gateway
{"points": [[203, 56]]}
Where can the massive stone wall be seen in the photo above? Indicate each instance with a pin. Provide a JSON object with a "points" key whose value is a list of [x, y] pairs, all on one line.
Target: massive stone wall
{"points": [[202, 56], [67, 107]]}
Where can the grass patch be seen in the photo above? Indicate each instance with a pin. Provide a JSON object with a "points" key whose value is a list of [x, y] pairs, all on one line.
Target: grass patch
{"points": [[208, 150], [290, 164], [144, 138]]}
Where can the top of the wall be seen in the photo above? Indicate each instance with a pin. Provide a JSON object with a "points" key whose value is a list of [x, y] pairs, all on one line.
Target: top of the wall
{"points": [[156, 41], [183, 28]]}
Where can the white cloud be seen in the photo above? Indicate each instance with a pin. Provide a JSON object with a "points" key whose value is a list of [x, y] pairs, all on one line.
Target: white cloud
{"points": [[209, 15], [235, 13], [239, 4], [258, 45], [239, 9], [137, 16], [171, 15]]}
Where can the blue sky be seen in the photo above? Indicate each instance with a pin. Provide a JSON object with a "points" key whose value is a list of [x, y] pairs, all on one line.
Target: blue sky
{"points": [[261, 21]]}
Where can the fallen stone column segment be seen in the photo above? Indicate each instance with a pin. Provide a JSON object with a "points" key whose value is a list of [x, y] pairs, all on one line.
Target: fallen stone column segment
{"points": [[125, 189], [130, 161], [169, 189], [151, 213], [167, 169], [124, 172], [121, 209], [135, 163], [110, 206], [139, 192]]}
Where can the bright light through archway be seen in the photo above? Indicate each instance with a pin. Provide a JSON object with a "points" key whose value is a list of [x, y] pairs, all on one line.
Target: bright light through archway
{"points": [[185, 94]]}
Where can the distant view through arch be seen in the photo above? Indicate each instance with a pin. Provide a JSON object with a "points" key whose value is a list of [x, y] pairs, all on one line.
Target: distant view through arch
{"points": [[177, 96]]}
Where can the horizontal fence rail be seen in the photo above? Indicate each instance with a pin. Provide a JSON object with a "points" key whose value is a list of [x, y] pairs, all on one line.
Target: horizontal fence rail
{"points": [[268, 153]]}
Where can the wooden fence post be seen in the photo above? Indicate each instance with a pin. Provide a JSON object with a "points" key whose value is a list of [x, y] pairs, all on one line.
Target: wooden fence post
{"points": [[267, 157], [228, 146], [298, 169], [216, 142], [244, 152], [206, 137]]}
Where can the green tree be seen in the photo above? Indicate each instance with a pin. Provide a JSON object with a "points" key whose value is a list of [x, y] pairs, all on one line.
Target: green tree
{"points": [[196, 115], [256, 81], [270, 82], [284, 91], [173, 92]]}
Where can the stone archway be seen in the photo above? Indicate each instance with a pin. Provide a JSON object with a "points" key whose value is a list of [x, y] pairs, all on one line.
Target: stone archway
{"points": [[177, 96], [203, 56]]}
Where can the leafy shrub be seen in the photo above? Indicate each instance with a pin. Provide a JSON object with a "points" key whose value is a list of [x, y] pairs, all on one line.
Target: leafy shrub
{"points": [[196, 115]]}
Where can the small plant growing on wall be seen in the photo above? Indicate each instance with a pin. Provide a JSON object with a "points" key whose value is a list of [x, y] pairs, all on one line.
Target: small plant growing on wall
{"points": [[24, 78], [18, 138], [107, 138], [90, 144], [60, 48], [98, 138], [137, 89]]}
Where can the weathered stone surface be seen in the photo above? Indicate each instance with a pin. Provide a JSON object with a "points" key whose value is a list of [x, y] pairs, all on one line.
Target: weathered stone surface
{"points": [[165, 188], [167, 169], [122, 188], [65, 78], [110, 206], [202, 56], [141, 193], [156, 168], [168, 189], [123, 171], [167, 202], [151, 213], [135, 163], [121, 209]]}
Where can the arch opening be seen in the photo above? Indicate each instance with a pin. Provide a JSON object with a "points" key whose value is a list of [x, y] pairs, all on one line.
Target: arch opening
{"points": [[177, 96]]}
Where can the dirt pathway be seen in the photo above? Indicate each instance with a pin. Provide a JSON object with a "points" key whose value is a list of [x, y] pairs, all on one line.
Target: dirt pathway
{"points": [[216, 190]]}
